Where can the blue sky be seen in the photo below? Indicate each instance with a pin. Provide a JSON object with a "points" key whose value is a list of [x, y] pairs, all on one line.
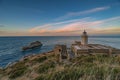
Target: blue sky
{"points": [[59, 17]]}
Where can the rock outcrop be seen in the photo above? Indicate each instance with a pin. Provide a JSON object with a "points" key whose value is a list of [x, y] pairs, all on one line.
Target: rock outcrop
{"points": [[32, 45]]}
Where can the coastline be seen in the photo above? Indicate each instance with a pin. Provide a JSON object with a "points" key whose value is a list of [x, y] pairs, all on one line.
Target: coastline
{"points": [[83, 60], [30, 56], [47, 66]]}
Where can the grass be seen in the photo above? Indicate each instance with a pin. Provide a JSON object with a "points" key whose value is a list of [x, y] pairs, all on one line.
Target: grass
{"points": [[87, 68], [17, 70], [92, 67], [46, 66], [40, 59], [17, 73]]}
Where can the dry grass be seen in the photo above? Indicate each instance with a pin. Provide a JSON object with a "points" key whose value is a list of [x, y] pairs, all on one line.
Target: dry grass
{"points": [[47, 67]]}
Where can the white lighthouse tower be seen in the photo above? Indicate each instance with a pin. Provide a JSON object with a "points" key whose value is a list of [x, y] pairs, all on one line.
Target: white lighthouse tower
{"points": [[84, 38]]}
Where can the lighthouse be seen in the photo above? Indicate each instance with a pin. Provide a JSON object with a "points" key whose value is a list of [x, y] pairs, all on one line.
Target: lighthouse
{"points": [[84, 38]]}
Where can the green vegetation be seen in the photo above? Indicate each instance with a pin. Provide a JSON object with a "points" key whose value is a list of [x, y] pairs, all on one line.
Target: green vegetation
{"points": [[86, 68], [47, 67], [17, 70], [40, 59]]}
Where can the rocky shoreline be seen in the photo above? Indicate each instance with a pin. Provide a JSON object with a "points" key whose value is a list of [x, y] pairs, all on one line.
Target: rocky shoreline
{"points": [[61, 64], [54, 66]]}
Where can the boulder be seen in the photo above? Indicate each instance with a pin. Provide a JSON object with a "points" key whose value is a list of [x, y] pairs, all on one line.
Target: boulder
{"points": [[32, 45]]}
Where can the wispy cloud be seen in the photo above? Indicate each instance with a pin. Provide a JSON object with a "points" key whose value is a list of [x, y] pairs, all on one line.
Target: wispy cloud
{"points": [[107, 30], [73, 27], [46, 26], [111, 19], [2, 25], [72, 14], [1, 32]]}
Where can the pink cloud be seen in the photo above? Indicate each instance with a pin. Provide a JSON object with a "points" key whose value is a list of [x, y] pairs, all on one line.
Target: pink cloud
{"points": [[74, 27]]}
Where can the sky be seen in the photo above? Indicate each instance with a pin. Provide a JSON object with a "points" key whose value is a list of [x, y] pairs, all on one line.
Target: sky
{"points": [[59, 17]]}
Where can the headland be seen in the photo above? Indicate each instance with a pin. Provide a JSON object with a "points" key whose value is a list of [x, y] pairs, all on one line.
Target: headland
{"points": [[83, 61]]}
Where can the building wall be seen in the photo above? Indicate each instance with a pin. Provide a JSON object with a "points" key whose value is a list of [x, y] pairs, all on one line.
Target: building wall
{"points": [[61, 50], [99, 50], [84, 40], [89, 51]]}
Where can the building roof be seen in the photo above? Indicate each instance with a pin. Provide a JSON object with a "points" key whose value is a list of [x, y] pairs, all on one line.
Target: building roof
{"points": [[91, 46]]}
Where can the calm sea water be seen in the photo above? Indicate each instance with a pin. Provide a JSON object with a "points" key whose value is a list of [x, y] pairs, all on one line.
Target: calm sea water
{"points": [[10, 47]]}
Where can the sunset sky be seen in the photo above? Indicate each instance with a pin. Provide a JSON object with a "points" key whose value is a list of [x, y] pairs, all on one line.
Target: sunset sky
{"points": [[59, 17]]}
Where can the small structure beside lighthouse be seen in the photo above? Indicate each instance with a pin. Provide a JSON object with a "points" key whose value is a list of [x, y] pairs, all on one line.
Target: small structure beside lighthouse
{"points": [[84, 38], [84, 48], [61, 52]]}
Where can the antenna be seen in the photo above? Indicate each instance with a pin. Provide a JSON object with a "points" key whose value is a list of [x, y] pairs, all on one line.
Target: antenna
{"points": [[82, 28]]}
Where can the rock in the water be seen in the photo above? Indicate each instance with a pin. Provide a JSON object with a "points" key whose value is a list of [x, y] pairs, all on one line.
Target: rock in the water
{"points": [[32, 45]]}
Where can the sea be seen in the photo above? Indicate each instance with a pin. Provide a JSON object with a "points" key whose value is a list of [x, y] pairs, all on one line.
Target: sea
{"points": [[10, 47]]}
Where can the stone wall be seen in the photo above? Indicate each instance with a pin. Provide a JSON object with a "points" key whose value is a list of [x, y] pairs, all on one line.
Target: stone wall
{"points": [[61, 50]]}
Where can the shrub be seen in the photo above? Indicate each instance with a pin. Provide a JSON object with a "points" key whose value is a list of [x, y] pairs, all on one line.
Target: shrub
{"points": [[41, 59], [45, 66], [67, 74], [41, 77], [115, 73], [17, 73], [17, 70], [1, 71]]}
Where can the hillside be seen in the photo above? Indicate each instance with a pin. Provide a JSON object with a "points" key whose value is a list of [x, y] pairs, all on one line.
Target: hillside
{"points": [[46, 66]]}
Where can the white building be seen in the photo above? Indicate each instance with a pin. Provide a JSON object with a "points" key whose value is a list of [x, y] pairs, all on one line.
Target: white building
{"points": [[83, 47], [84, 38]]}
